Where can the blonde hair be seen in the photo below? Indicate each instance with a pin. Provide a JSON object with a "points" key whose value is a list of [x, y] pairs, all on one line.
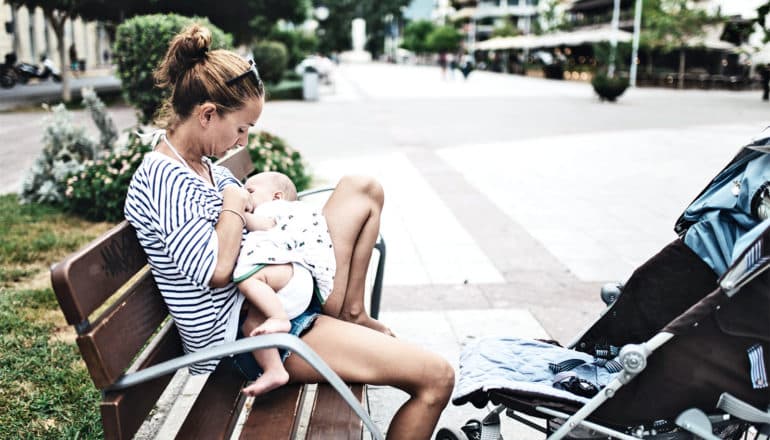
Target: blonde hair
{"points": [[277, 180], [195, 74]]}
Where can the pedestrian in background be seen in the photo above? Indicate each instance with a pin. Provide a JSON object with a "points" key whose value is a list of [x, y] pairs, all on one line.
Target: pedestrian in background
{"points": [[73, 58], [764, 77], [442, 63]]}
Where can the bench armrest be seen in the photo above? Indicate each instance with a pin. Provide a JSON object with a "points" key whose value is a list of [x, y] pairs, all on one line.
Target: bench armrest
{"points": [[275, 340]]}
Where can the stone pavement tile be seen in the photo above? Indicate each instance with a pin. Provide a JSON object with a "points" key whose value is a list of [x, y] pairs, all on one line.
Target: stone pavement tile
{"points": [[418, 227], [434, 297], [564, 310], [563, 189], [509, 247], [445, 332]]}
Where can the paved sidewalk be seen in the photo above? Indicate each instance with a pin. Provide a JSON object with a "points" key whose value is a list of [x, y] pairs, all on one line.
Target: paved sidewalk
{"points": [[509, 200]]}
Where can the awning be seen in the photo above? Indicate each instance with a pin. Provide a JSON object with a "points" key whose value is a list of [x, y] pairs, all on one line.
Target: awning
{"points": [[575, 38]]}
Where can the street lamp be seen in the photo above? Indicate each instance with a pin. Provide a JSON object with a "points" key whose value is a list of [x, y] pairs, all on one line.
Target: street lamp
{"points": [[635, 50], [614, 38]]}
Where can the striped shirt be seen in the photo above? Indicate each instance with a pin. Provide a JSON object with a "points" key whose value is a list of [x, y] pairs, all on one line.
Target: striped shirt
{"points": [[174, 213]]}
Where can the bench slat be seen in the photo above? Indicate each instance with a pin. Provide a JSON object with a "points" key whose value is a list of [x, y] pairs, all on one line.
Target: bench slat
{"points": [[87, 278], [216, 409], [121, 332], [275, 416], [332, 417], [124, 411]]}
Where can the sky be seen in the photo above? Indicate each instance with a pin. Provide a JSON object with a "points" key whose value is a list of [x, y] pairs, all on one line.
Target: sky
{"points": [[419, 10]]}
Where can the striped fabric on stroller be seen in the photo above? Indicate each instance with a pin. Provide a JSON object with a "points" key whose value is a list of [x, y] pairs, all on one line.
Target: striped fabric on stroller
{"points": [[681, 353]]}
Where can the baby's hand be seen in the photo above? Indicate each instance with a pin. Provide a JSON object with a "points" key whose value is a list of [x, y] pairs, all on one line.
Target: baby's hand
{"points": [[256, 222]]}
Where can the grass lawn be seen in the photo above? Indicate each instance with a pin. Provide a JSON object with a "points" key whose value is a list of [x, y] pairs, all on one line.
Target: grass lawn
{"points": [[45, 389]]}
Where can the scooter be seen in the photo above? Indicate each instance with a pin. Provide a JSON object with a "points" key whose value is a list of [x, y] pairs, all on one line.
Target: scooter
{"points": [[27, 71]]}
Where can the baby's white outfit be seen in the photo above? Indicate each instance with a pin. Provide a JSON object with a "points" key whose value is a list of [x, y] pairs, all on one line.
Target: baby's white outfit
{"points": [[301, 237]]}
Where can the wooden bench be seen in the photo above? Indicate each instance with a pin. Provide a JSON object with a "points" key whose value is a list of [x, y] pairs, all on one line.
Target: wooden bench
{"points": [[132, 350]]}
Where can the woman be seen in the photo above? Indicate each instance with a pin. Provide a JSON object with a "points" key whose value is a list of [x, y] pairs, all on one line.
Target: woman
{"points": [[188, 214]]}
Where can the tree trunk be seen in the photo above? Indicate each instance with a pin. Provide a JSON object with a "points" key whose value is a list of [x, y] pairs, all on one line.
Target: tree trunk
{"points": [[681, 68], [651, 69], [57, 23]]}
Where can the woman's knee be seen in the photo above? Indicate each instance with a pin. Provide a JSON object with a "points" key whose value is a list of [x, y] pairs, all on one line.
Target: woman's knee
{"points": [[365, 185], [437, 382]]}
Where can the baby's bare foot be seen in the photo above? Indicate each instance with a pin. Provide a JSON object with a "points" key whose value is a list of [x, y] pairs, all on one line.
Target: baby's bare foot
{"points": [[268, 381], [272, 325]]}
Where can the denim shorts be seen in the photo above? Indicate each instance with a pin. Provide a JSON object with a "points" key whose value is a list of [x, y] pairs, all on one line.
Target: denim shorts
{"points": [[245, 362]]}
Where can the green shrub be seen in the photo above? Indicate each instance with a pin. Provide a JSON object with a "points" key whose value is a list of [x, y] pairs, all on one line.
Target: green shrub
{"points": [[298, 44], [271, 153], [271, 59], [609, 88], [98, 192], [285, 90], [140, 44]]}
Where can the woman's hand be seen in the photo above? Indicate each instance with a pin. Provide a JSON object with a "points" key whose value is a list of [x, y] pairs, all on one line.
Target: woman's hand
{"points": [[237, 198]]}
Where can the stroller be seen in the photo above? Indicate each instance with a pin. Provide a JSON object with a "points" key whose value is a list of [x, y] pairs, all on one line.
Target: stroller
{"points": [[677, 354]]}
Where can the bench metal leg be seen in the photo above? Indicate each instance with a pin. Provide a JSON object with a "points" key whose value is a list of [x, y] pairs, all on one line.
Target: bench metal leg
{"points": [[374, 308]]}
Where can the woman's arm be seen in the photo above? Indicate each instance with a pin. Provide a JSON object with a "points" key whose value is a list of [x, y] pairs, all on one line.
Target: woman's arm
{"points": [[229, 230]]}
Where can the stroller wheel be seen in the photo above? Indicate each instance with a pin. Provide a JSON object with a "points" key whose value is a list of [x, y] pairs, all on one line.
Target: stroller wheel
{"points": [[451, 434]]}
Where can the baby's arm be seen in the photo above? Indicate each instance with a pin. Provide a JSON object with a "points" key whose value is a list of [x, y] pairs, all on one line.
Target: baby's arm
{"points": [[256, 222]]}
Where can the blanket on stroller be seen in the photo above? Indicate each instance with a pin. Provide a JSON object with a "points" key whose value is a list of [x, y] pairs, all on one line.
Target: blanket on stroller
{"points": [[531, 367]]}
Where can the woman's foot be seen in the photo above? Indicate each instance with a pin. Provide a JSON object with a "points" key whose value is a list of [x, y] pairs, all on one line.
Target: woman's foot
{"points": [[268, 381], [272, 325], [368, 321]]}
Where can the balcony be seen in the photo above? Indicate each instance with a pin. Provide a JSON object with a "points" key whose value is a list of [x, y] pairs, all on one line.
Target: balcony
{"points": [[489, 9]]}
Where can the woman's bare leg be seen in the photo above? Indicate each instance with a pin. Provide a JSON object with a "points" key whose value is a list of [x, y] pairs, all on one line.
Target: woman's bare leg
{"points": [[359, 354], [353, 216]]}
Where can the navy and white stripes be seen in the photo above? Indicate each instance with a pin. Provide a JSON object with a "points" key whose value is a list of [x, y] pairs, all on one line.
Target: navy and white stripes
{"points": [[174, 213], [757, 364]]}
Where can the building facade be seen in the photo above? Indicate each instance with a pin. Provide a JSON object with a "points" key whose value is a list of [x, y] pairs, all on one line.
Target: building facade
{"points": [[27, 34], [478, 19]]}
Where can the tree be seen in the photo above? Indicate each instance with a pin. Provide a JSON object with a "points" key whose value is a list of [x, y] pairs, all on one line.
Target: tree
{"points": [[507, 29], [334, 32], [444, 39], [762, 12], [416, 36], [227, 15], [551, 19], [671, 25], [57, 12]]}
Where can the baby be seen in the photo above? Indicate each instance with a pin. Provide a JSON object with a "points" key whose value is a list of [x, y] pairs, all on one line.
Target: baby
{"points": [[288, 247]]}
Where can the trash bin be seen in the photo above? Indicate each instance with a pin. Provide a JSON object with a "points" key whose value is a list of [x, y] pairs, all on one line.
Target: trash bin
{"points": [[310, 80]]}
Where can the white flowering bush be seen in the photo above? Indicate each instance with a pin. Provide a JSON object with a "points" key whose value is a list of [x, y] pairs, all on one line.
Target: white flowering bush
{"points": [[66, 148], [98, 191], [271, 153], [66, 151]]}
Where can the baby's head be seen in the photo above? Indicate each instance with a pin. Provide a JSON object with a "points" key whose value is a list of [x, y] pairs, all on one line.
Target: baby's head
{"points": [[270, 185]]}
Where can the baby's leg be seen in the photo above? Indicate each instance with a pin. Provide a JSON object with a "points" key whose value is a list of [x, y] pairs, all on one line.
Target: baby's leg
{"points": [[259, 290], [273, 372]]}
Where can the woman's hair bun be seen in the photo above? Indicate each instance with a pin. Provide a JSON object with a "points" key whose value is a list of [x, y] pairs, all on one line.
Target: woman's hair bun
{"points": [[187, 49]]}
